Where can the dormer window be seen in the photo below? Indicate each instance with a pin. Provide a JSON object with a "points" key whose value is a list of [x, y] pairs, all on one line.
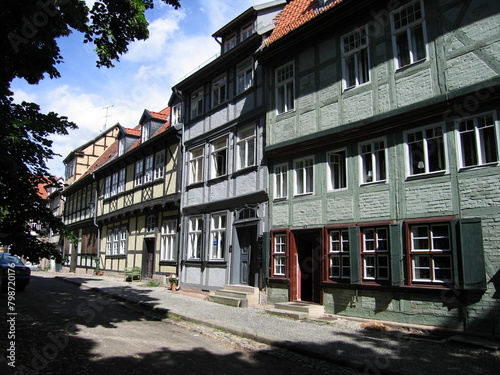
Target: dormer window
{"points": [[230, 42], [121, 146], [177, 114], [246, 31], [70, 168], [323, 3], [197, 103], [146, 132]]}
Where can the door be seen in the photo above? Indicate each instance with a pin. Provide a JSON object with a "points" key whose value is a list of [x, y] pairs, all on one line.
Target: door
{"points": [[309, 267], [248, 255], [148, 263]]}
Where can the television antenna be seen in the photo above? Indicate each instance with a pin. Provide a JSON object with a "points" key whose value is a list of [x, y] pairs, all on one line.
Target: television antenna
{"points": [[105, 126]]}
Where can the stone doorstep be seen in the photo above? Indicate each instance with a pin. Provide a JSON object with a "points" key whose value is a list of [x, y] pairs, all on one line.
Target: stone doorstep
{"points": [[235, 295], [298, 309]]}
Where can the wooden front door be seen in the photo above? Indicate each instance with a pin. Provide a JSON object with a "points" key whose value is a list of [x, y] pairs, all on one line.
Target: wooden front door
{"points": [[148, 264]]}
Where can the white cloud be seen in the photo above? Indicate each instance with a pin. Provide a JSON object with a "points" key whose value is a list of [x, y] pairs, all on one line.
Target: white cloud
{"points": [[161, 31]]}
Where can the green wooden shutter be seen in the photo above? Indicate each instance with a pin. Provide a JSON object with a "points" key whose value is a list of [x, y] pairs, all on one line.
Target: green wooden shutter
{"points": [[472, 255], [354, 255], [396, 254]]}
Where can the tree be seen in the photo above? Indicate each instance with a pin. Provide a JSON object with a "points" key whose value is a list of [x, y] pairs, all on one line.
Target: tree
{"points": [[29, 31]]}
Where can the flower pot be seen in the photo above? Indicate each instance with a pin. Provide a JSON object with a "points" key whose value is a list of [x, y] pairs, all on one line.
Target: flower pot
{"points": [[173, 286]]}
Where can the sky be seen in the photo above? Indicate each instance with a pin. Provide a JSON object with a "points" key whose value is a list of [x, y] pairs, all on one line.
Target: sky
{"points": [[97, 98]]}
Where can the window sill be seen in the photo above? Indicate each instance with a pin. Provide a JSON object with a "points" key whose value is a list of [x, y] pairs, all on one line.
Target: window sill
{"points": [[381, 182], [411, 65], [193, 185], [245, 170], [425, 175], [283, 199], [168, 263], [284, 114], [303, 195], [479, 167], [279, 280], [116, 256]]}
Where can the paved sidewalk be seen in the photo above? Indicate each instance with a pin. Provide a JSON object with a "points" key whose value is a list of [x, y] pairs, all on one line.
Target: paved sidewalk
{"points": [[337, 340]]}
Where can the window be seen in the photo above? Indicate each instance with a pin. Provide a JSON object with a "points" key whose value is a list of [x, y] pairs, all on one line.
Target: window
{"points": [[107, 187], [116, 241], [145, 132], [70, 168], [194, 235], [426, 151], [114, 184], [219, 91], [373, 163], [196, 165], [121, 146], [430, 253], [197, 103], [167, 241], [281, 181], [304, 176], [139, 173], [246, 147], [218, 236], [279, 255], [121, 181], [339, 254], [285, 90], [375, 253], [177, 114], [219, 157], [408, 34], [151, 223], [159, 169], [337, 170], [148, 169], [230, 42], [478, 140], [355, 58], [246, 31], [244, 76]]}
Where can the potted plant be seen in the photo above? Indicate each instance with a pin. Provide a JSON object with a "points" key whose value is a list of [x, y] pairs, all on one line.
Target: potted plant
{"points": [[173, 279]]}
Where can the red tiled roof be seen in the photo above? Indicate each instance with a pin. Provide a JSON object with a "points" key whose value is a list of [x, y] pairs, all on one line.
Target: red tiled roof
{"points": [[42, 192], [295, 14], [136, 132], [162, 115]]}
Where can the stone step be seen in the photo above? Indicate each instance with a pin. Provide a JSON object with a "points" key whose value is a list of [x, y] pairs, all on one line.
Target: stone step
{"points": [[311, 309], [288, 313], [242, 288], [228, 301]]}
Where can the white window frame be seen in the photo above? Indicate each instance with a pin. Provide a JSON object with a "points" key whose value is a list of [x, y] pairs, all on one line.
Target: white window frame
{"points": [[167, 240], [244, 76], [219, 157], [405, 26], [159, 168], [176, 114], [219, 90], [139, 173], [197, 103], [145, 132], [246, 147], [121, 146], [375, 257], [121, 180], [279, 255], [373, 165], [114, 184], [433, 251], [478, 140], [122, 248], [304, 175], [355, 58], [340, 263], [281, 181], [285, 88], [421, 145], [337, 169], [148, 168], [218, 236], [70, 168], [195, 237], [107, 187], [196, 164]]}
